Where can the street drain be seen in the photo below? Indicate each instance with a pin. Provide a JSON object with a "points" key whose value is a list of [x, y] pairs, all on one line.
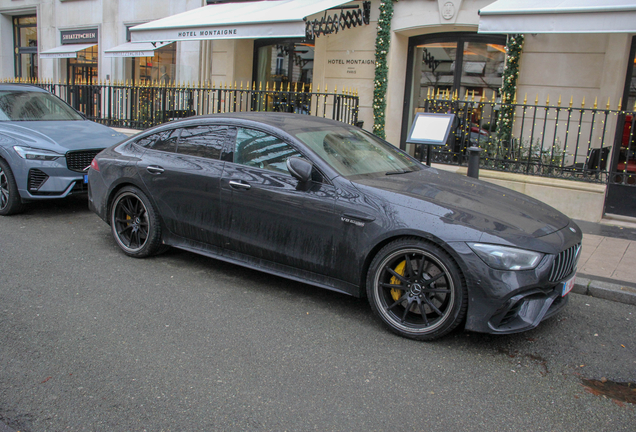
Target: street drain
{"points": [[620, 391]]}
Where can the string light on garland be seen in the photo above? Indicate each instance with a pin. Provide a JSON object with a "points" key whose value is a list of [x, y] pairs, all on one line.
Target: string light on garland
{"points": [[514, 46], [382, 42]]}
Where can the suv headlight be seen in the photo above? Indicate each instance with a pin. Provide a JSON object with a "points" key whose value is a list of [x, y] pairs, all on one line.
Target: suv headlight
{"points": [[506, 258], [36, 154]]}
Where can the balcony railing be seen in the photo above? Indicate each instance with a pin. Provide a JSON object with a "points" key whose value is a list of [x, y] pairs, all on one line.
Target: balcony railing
{"points": [[551, 140], [141, 106]]}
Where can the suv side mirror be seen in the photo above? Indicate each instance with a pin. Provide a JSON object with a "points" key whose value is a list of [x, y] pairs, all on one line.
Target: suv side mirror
{"points": [[300, 169]]}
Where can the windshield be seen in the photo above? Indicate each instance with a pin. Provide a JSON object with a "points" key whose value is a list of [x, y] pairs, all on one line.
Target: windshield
{"points": [[33, 106], [353, 152]]}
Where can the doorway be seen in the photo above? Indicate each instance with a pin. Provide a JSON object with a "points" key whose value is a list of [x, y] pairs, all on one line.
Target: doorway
{"points": [[621, 187], [450, 63], [25, 42]]}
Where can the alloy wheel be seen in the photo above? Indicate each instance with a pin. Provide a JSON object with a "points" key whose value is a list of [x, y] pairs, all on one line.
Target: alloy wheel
{"points": [[130, 222], [4, 189]]}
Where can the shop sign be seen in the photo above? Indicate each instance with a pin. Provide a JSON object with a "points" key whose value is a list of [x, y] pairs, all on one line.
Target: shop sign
{"points": [[61, 55], [79, 36], [351, 64], [207, 33], [130, 54]]}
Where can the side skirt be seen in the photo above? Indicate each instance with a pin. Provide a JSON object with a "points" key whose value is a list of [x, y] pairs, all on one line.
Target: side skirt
{"points": [[265, 266]]}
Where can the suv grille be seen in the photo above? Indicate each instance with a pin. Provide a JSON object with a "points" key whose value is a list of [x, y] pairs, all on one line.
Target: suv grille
{"points": [[36, 179], [565, 263], [79, 160]]}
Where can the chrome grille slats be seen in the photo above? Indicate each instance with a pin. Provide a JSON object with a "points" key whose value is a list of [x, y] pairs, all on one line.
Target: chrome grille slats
{"points": [[79, 160], [564, 263]]}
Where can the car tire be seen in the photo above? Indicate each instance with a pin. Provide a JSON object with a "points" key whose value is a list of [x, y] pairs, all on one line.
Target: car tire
{"points": [[10, 201], [135, 223], [416, 289]]}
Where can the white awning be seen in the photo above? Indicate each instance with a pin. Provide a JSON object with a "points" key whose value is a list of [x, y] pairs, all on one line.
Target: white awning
{"points": [[65, 51], [244, 20], [132, 49], [558, 16]]}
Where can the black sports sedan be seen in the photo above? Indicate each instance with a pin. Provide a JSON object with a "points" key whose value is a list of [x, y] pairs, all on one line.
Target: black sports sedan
{"points": [[45, 147], [331, 205]]}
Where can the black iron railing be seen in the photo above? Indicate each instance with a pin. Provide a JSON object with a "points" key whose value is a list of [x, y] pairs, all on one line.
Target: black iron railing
{"points": [[547, 140], [143, 106]]}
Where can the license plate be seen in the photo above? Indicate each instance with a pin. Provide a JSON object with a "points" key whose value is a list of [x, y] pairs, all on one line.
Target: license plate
{"points": [[568, 285], [85, 178]]}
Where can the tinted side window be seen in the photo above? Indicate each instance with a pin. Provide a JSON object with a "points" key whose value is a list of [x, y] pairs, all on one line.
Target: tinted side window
{"points": [[202, 141], [164, 141], [258, 149]]}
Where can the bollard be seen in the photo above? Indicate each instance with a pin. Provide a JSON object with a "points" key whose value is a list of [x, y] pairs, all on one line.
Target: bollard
{"points": [[473, 162]]}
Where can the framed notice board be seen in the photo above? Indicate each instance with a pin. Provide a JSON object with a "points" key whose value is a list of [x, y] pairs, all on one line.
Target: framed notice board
{"points": [[430, 129]]}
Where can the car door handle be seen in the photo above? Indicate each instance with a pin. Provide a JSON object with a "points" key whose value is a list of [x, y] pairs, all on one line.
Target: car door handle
{"points": [[359, 216], [239, 185], [153, 169]]}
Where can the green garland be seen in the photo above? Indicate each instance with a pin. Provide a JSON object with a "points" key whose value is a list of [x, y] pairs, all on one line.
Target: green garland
{"points": [[514, 47], [382, 42]]}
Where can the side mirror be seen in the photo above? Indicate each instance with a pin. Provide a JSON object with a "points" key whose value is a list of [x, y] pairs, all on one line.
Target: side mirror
{"points": [[300, 168]]}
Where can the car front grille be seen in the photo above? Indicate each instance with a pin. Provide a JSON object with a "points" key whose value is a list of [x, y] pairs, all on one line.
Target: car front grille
{"points": [[80, 160], [565, 263], [36, 179]]}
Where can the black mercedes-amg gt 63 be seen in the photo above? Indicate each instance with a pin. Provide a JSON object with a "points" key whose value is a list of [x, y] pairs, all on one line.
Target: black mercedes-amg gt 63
{"points": [[331, 205]]}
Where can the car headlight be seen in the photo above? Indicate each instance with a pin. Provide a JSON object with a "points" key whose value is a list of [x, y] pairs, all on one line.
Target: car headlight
{"points": [[506, 258], [36, 154]]}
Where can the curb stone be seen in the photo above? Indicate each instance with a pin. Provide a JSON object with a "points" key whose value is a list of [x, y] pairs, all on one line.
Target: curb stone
{"points": [[605, 290]]}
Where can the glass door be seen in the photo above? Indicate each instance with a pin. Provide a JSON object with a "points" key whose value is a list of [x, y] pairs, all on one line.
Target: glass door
{"points": [[621, 187], [25, 40], [461, 64]]}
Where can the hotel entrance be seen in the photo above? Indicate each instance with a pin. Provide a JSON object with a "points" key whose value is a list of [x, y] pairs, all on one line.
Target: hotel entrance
{"points": [[621, 188], [452, 64]]}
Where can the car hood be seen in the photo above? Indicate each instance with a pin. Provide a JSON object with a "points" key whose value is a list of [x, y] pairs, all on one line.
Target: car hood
{"points": [[470, 202], [61, 136]]}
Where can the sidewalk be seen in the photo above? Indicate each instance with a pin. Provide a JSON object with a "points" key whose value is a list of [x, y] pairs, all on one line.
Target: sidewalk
{"points": [[607, 266]]}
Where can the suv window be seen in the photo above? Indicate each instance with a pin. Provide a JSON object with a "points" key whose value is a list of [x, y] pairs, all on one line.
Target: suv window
{"points": [[258, 149], [203, 141]]}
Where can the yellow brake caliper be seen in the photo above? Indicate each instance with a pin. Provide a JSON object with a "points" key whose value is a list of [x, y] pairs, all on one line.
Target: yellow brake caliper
{"points": [[397, 293]]}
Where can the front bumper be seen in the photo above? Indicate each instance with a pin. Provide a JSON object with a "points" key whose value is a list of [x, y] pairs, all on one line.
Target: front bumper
{"points": [[514, 301], [40, 180], [45, 180]]}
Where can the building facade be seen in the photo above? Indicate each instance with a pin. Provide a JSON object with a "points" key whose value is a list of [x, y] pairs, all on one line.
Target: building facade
{"points": [[435, 47]]}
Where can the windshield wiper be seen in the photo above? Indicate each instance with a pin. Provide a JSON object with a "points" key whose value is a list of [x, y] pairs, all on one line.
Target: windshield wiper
{"points": [[398, 172]]}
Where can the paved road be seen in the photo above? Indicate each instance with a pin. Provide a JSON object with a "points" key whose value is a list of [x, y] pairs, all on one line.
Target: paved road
{"points": [[93, 340]]}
